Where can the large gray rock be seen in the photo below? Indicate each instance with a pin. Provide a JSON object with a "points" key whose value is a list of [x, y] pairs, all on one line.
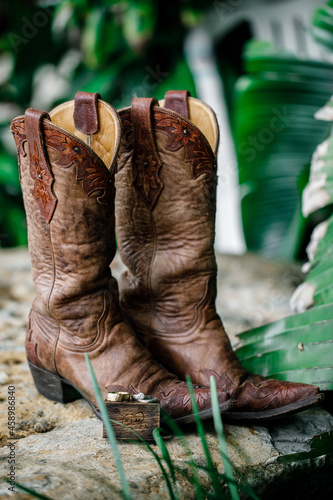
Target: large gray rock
{"points": [[60, 450]]}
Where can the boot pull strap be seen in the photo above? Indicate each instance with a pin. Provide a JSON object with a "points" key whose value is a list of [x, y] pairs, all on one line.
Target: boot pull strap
{"points": [[86, 112], [176, 100], [40, 169], [145, 158]]}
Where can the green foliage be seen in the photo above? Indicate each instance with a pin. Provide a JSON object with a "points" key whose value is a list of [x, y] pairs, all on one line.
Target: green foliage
{"points": [[322, 25], [121, 49], [297, 349], [217, 480], [300, 348], [218, 491], [320, 445], [30, 491], [275, 135], [222, 442], [109, 430]]}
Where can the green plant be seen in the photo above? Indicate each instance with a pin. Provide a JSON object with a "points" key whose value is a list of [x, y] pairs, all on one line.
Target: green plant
{"points": [[50, 50], [300, 348], [217, 479], [275, 135], [322, 25]]}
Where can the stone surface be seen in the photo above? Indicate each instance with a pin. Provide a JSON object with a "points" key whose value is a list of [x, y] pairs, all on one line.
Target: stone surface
{"points": [[60, 451]]}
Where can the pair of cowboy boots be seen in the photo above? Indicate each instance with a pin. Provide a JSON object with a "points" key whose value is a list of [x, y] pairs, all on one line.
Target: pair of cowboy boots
{"points": [[161, 161]]}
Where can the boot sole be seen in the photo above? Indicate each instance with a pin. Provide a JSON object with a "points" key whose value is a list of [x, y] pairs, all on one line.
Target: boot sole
{"points": [[269, 415], [56, 388]]}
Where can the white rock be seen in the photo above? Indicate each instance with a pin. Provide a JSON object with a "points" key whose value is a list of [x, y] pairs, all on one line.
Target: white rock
{"points": [[326, 112], [302, 297], [315, 195], [317, 235]]}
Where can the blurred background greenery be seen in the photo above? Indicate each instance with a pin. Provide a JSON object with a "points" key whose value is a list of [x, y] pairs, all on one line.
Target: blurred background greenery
{"points": [[51, 49]]}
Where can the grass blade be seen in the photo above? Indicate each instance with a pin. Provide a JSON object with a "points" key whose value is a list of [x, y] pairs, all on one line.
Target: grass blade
{"points": [[221, 440], [31, 492], [166, 456], [212, 469], [109, 430], [243, 485], [194, 479], [157, 458]]}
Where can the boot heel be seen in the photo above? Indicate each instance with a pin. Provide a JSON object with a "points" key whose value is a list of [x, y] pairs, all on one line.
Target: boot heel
{"points": [[52, 386]]}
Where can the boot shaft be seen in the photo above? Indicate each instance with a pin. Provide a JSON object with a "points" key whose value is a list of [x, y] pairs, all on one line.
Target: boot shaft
{"points": [[68, 194], [165, 211]]}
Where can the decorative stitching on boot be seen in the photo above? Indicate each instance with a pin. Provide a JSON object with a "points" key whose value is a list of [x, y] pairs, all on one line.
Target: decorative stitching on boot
{"points": [[20, 139], [197, 150], [145, 158], [40, 169], [90, 168]]}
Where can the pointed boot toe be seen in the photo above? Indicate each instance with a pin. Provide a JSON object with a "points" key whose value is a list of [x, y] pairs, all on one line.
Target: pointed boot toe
{"points": [[260, 399]]}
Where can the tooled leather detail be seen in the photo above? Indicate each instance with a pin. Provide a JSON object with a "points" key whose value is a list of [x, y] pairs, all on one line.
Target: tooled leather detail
{"points": [[146, 180], [43, 181], [197, 149], [145, 158], [40, 169], [177, 400], [90, 169], [255, 393], [223, 381], [20, 138], [174, 396]]}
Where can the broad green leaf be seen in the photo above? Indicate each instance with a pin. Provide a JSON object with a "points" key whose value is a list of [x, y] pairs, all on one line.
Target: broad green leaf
{"points": [[322, 25], [322, 377], [316, 315], [290, 339], [275, 135]]}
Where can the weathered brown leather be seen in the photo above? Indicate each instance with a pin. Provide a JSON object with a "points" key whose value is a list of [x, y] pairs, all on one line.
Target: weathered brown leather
{"points": [[86, 112], [177, 101], [76, 309], [168, 292]]}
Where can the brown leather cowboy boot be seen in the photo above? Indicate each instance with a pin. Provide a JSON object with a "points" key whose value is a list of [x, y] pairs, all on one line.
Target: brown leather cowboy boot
{"points": [[67, 163], [165, 222]]}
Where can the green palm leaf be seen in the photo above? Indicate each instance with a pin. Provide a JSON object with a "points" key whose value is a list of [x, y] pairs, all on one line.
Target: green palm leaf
{"points": [[300, 347], [275, 135]]}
